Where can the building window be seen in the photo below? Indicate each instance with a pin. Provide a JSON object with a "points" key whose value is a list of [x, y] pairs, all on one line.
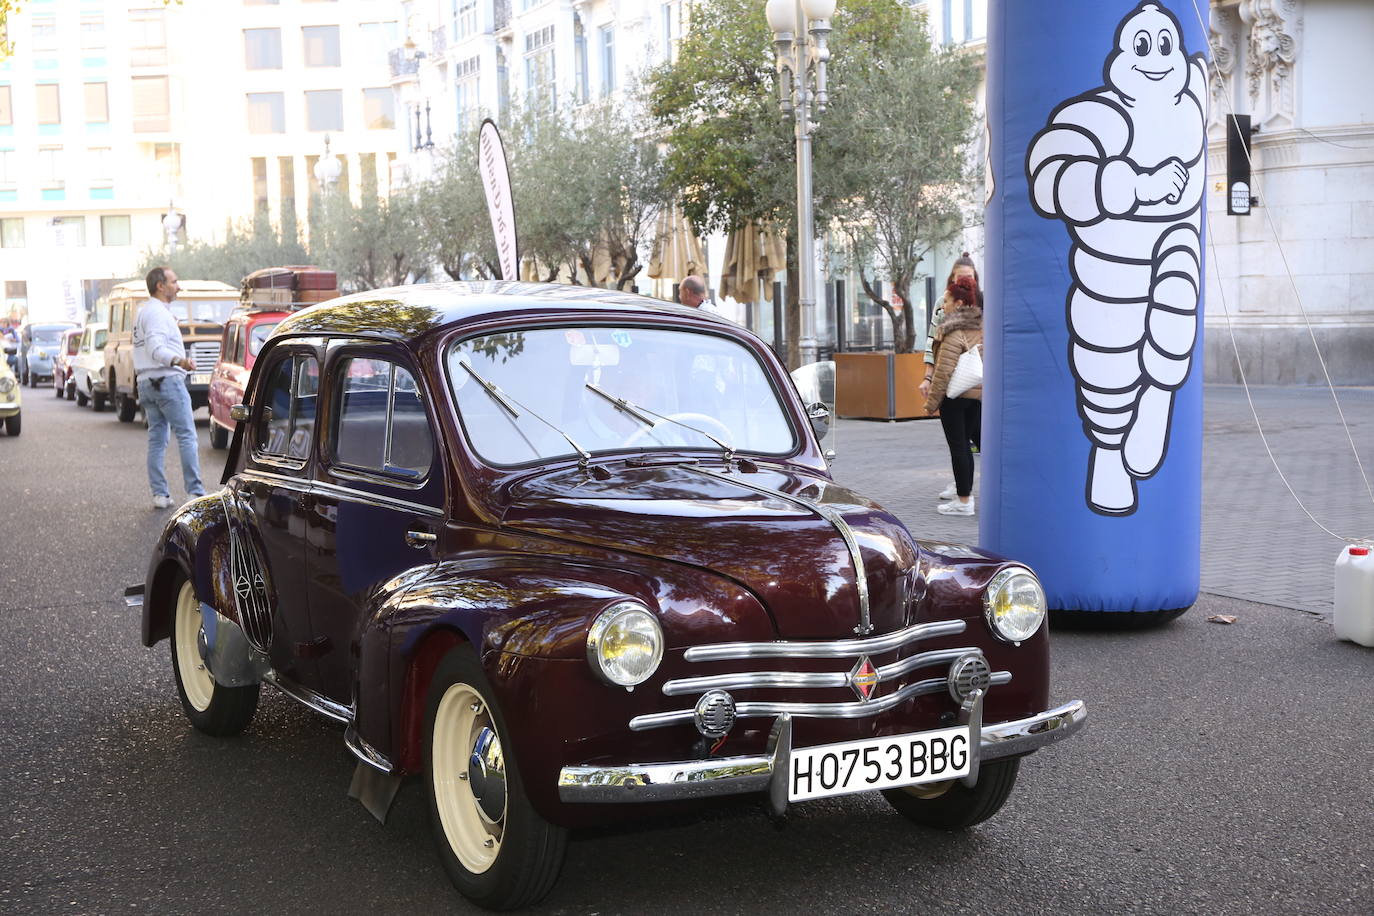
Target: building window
{"points": [[9, 162], [378, 39], [6, 106], [49, 104], [152, 104], [114, 231], [321, 45], [464, 18], [379, 109], [324, 110], [12, 236], [50, 166], [266, 113], [539, 80], [466, 93], [92, 31], [97, 103], [259, 185], [580, 62], [70, 231], [607, 33], [44, 33], [17, 289], [968, 20], [666, 14], [100, 164], [148, 38], [262, 49]]}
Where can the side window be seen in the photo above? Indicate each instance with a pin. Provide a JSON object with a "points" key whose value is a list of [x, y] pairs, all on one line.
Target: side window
{"points": [[288, 397], [100, 337], [382, 425]]}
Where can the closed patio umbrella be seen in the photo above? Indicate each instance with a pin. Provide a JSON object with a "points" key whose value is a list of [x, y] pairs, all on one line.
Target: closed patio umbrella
{"points": [[677, 251], [753, 252]]}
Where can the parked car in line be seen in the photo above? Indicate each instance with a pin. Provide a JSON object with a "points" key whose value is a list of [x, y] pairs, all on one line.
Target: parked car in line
{"points": [[11, 401], [88, 367], [201, 308], [244, 334], [67, 349], [568, 553], [38, 345]]}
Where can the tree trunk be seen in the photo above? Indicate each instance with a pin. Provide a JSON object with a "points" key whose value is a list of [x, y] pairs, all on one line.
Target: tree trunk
{"points": [[886, 307], [905, 341], [791, 334]]}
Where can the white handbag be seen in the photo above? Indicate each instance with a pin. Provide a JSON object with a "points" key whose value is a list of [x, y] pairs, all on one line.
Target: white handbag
{"points": [[968, 372]]}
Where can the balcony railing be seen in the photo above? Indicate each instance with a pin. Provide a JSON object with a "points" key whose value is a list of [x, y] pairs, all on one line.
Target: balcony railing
{"points": [[402, 64]]}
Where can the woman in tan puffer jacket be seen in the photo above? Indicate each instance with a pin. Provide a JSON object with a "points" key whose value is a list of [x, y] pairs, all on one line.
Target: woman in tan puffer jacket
{"points": [[961, 417]]}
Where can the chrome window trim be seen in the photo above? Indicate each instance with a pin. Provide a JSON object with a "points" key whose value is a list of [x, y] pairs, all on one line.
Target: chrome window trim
{"points": [[747, 680], [839, 648], [320, 488], [859, 710]]}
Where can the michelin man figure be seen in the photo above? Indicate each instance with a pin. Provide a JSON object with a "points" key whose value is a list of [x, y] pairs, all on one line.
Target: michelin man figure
{"points": [[1123, 165]]}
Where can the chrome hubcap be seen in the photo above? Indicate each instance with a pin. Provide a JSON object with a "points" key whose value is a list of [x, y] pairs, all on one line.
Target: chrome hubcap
{"points": [[487, 775]]}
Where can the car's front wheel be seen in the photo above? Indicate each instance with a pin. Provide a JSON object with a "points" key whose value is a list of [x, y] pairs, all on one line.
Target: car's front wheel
{"points": [[211, 707], [953, 805], [125, 408], [219, 436], [496, 849], [12, 425]]}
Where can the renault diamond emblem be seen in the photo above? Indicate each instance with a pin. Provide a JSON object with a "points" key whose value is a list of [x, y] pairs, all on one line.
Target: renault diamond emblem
{"points": [[864, 679]]}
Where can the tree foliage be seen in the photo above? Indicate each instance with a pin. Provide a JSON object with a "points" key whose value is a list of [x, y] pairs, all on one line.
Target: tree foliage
{"points": [[894, 99], [246, 247]]}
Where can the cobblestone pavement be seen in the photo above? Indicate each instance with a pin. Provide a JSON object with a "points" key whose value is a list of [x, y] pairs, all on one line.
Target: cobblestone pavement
{"points": [[1257, 544]]}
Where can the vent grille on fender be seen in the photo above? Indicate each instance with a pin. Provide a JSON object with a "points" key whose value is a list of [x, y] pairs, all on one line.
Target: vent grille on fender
{"points": [[250, 593]]}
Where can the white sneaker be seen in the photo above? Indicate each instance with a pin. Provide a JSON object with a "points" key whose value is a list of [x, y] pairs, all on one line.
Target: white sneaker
{"points": [[949, 492], [955, 508], [162, 502]]}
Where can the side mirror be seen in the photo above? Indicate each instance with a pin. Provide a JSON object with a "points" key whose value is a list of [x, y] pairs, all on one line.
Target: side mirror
{"points": [[819, 415], [240, 412]]}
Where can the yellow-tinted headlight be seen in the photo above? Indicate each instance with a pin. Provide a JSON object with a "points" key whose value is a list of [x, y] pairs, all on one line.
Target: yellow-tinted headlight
{"points": [[625, 644], [1014, 604]]}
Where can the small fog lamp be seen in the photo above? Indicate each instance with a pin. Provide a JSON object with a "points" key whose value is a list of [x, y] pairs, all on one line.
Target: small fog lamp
{"points": [[1014, 604], [625, 644]]}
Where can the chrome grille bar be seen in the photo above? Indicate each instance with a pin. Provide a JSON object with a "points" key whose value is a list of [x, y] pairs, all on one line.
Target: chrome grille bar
{"points": [[839, 648], [205, 354], [856, 710], [746, 680]]}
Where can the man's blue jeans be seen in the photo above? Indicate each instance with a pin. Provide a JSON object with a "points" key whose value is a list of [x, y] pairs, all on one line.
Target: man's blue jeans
{"points": [[170, 406]]}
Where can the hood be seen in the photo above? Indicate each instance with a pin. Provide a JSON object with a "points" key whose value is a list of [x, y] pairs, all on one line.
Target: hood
{"points": [[780, 547]]}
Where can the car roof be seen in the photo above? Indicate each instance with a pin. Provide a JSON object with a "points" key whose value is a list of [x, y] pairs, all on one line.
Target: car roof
{"points": [[406, 312]]}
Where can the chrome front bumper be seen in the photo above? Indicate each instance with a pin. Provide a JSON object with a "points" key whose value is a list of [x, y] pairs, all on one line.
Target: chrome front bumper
{"points": [[688, 779]]}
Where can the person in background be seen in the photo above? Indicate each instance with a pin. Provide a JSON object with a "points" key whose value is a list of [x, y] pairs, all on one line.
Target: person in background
{"points": [[161, 364], [962, 267], [8, 338], [692, 293], [962, 416]]}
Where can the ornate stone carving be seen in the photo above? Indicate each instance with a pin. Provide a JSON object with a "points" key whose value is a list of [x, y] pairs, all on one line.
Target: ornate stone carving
{"points": [[1223, 37], [1271, 55]]}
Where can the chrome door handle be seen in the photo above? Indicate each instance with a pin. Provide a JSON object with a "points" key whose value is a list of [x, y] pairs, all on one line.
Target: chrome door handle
{"points": [[420, 539]]}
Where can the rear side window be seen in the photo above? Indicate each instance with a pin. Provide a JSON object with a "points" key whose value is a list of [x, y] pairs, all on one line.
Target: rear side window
{"points": [[286, 422], [258, 334], [382, 425]]}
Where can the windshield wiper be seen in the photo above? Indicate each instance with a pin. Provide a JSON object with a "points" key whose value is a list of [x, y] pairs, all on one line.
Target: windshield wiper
{"points": [[645, 415], [509, 404]]}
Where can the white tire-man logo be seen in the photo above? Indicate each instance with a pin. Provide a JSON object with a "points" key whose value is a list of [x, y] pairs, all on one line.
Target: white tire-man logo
{"points": [[1123, 166]]}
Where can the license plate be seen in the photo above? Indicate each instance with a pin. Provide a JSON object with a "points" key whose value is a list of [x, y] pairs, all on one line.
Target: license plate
{"points": [[200, 378], [878, 763]]}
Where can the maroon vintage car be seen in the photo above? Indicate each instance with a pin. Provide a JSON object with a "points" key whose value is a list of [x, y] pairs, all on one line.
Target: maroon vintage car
{"points": [[570, 553]]}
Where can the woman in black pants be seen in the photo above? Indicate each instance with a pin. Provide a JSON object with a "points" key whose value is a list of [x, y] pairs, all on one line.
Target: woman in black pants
{"points": [[962, 416]]}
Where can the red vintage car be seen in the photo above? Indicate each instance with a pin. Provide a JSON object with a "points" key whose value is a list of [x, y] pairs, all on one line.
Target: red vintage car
{"points": [[567, 554], [244, 334]]}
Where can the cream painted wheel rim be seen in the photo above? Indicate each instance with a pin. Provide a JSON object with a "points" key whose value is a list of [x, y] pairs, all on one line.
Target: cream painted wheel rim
{"points": [[196, 680], [461, 717], [929, 789]]}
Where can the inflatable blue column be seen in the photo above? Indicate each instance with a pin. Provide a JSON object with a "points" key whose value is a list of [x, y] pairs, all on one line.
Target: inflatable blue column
{"points": [[1092, 423]]}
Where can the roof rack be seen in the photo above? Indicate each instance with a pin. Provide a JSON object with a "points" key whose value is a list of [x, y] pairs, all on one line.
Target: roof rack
{"points": [[286, 289]]}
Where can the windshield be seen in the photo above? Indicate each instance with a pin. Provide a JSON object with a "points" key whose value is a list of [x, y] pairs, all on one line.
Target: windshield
{"points": [[213, 311], [685, 379], [257, 335], [47, 337]]}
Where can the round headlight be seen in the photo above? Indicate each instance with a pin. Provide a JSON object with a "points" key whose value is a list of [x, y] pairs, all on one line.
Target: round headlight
{"points": [[625, 644], [1014, 604], [6, 384]]}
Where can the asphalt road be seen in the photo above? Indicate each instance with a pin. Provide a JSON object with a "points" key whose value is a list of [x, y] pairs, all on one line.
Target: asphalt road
{"points": [[1226, 769]]}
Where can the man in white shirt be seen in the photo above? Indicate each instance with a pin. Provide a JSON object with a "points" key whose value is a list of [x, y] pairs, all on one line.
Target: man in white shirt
{"points": [[692, 293], [161, 364]]}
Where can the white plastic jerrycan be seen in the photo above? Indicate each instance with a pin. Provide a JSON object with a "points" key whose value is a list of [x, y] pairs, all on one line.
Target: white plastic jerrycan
{"points": [[1353, 618]]}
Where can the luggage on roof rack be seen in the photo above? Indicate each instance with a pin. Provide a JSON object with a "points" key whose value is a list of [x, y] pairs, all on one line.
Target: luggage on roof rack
{"points": [[287, 288]]}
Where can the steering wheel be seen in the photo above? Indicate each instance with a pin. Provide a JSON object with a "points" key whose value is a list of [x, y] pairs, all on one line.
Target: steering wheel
{"points": [[713, 426]]}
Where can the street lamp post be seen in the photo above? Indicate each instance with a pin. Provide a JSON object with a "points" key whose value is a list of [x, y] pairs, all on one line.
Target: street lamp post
{"points": [[800, 32], [327, 169]]}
